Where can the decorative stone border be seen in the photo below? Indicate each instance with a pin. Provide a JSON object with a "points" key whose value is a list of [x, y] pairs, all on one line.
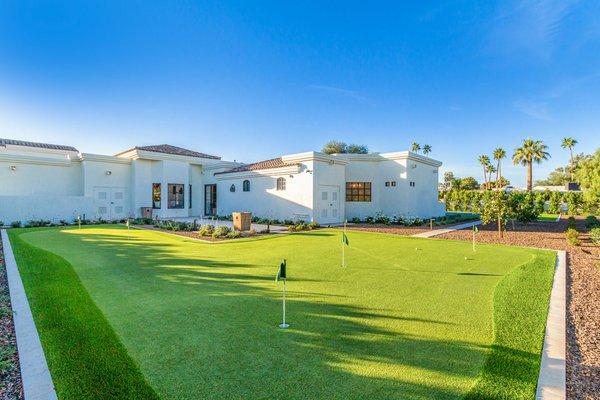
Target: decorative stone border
{"points": [[37, 382], [552, 382]]}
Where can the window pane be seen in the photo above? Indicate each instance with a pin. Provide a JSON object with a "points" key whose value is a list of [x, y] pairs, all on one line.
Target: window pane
{"points": [[176, 196], [156, 195]]}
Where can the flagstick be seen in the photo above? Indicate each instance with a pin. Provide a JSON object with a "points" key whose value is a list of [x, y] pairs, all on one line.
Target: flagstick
{"points": [[284, 325], [79, 221], [344, 246], [473, 237]]}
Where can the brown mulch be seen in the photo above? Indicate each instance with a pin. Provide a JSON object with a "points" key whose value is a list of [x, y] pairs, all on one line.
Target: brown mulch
{"points": [[583, 295], [11, 387], [195, 235]]}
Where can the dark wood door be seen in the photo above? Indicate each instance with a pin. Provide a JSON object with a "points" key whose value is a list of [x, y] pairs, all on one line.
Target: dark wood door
{"points": [[210, 199]]}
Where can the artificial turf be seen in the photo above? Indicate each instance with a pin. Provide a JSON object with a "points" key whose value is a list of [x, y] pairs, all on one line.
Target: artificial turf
{"points": [[547, 217], [408, 318]]}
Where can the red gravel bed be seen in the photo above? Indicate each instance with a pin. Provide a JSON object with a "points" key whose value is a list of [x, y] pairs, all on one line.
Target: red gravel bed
{"points": [[11, 387], [397, 229], [583, 295]]}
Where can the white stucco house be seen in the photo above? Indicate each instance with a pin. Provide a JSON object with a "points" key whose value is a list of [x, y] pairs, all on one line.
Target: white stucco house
{"points": [[54, 182]]}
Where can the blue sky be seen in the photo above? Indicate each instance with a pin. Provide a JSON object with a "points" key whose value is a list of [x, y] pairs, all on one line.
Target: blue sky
{"points": [[250, 81]]}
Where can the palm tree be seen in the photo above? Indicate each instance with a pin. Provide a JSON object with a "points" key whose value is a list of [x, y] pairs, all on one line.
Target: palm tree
{"points": [[490, 170], [569, 143], [530, 151], [416, 147], [498, 154], [485, 162], [426, 149]]}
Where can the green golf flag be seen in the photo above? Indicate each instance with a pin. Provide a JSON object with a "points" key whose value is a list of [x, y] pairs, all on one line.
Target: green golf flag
{"points": [[281, 273], [127, 223], [345, 239]]}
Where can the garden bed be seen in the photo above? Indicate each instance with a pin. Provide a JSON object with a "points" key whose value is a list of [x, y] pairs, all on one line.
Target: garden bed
{"points": [[583, 294], [11, 387]]}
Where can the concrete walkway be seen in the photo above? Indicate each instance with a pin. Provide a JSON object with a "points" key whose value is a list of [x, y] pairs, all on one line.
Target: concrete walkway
{"points": [[552, 382], [37, 382], [436, 232]]}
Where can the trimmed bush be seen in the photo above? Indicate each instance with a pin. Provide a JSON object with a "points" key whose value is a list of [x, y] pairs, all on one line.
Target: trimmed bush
{"points": [[233, 234], [573, 237], [206, 230], [221, 231], [591, 222], [595, 236]]}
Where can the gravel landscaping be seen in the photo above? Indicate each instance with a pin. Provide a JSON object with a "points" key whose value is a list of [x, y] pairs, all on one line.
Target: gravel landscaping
{"points": [[398, 229], [583, 295], [10, 377]]}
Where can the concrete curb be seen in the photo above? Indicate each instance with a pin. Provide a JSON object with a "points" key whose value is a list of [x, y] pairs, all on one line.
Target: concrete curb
{"points": [[37, 382], [552, 382], [446, 230]]}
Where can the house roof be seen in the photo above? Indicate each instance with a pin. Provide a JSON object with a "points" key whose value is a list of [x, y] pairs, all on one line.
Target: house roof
{"points": [[4, 142], [265, 164], [168, 149]]}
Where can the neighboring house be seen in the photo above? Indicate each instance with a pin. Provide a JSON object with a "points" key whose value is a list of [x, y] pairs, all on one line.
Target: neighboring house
{"points": [[43, 181]]}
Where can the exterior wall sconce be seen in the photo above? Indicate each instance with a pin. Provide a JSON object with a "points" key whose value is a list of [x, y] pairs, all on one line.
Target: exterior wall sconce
{"points": [[109, 172], [13, 167]]}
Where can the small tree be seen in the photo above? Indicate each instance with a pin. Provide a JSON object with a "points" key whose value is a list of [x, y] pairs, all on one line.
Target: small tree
{"points": [[496, 209], [588, 176], [415, 147], [426, 149], [469, 183], [335, 147], [357, 149], [523, 207]]}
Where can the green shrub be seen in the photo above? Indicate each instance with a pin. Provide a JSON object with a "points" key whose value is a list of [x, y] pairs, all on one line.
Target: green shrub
{"points": [[595, 236], [571, 223], [233, 234], [300, 227], [1, 223], [573, 237], [355, 220], [35, 223], [313, 225], [206, 230], [591, 222], [221, 231]]}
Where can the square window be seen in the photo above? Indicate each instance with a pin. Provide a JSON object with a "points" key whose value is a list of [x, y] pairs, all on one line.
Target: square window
{"points": [[358, 191], [393, 183]]}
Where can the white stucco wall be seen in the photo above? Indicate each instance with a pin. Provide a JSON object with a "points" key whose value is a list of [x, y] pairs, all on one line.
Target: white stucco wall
{"points": [[263, 199]]}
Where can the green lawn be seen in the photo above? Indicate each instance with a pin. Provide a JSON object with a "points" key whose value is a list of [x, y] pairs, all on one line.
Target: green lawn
{"points": [[547, 217], [158, 315]]}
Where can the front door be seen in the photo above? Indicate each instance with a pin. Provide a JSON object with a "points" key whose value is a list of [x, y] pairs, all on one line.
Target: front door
{"points": [[210, 199], [329, 204]]}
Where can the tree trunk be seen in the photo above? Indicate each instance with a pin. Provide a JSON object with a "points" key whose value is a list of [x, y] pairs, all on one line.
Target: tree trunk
{"points": [[485, 177], [499, 176], [572, 167], [500, 233], [529, 176]]}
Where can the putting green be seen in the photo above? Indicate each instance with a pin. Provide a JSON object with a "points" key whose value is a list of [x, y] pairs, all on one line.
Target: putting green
{"points": [[407, 319]]}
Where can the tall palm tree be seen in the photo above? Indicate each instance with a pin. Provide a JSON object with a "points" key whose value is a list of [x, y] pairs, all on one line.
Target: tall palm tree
{"points": [[416, 147], [485, 162], [490, 170], [426, 149], [569, 143], [499, 154], [530, 151]]}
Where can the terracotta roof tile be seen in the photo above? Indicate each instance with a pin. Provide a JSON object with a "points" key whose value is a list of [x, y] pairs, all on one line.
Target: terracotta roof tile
{"points": [[266, 164], [168, 149], [4, 142]]}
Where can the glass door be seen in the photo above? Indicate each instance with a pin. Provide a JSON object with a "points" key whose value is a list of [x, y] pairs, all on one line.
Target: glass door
{"points": [[210, 199]]}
